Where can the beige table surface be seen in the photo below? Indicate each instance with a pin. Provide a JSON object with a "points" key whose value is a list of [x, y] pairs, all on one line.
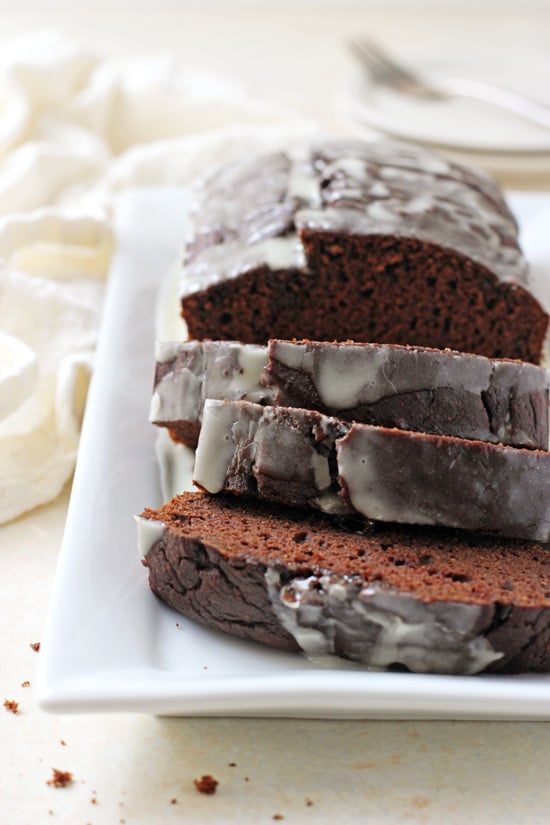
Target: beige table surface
{"points": [[138, 769]]}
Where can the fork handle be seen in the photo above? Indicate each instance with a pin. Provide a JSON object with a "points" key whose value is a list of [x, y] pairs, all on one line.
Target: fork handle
{"points": [[510, 101]]}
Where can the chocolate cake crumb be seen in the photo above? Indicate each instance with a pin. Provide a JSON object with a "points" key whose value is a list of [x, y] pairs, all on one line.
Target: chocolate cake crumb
{"points": [[206, 784], [26, 683], [173, 801], [35, 646], [60, 779], [278, 816], [12, 705], [62, 742], [232, 764], [309, 802]]}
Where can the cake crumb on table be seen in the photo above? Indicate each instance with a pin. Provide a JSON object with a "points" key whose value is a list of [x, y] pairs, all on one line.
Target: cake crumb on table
{"points": [[232, 764], [12, 705], [26, 683], [309, 802], [60, 779], [62, 742], [173, 801], [206, 784], [278, 816], [35, 646]]}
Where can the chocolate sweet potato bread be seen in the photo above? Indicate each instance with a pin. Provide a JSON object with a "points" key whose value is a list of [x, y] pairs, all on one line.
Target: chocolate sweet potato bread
{"points": [[342, 240], [412, 388], [304, 458], [423, 599]]}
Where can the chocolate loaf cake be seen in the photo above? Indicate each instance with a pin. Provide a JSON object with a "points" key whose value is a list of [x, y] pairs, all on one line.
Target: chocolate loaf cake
{"points": [[188, 372], [427, 600], [301, 457], [412, 388], [382, 242]]}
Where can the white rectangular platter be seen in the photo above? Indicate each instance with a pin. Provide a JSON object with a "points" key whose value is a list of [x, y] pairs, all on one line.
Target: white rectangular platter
{"points": [[109, 643]]}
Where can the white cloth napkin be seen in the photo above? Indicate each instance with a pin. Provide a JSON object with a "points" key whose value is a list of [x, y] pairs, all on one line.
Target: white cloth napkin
{"points": [[76, 129]]}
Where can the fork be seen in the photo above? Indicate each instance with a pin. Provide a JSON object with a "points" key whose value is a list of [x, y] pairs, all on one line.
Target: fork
{"points": [[386, 71]]}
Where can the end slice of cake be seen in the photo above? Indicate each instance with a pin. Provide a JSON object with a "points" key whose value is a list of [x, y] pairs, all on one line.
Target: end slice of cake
{"points": [[422, 599]]}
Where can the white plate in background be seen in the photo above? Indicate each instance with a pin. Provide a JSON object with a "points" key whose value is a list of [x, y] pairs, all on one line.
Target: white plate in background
{"points": [[460, 124], [109, 643]]}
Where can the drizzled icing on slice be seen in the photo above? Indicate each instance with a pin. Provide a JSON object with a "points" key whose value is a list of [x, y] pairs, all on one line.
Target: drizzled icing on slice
{"points": [[251, 213], [329, 615]]}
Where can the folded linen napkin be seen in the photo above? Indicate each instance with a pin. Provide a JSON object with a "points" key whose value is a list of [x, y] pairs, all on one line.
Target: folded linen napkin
{"points": [[75, 129]]}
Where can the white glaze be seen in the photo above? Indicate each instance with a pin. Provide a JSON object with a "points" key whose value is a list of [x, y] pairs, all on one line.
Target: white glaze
{"points": [[215, 449], [222, 382], [166, 351], [349, 187], [383, 627], [352, 167], [219, 370], [303, 183], [149, 532], [155, 407], [347, 376], [177, 396], [321, 471], [255, 441], [231, 259]]}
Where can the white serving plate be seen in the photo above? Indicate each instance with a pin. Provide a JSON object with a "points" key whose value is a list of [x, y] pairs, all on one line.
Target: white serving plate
{"points": [[109, 643]]}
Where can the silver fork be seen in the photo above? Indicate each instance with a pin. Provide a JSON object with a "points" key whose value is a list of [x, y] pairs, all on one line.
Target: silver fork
{"points": [[386, 71]]}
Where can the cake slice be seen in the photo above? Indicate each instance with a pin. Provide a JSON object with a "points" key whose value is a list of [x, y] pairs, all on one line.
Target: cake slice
{"points": [[423, 599], [302, 457], [412, 388]]}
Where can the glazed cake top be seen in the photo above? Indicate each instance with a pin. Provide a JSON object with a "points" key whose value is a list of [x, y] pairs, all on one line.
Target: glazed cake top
{"points": [[251, 213]]}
